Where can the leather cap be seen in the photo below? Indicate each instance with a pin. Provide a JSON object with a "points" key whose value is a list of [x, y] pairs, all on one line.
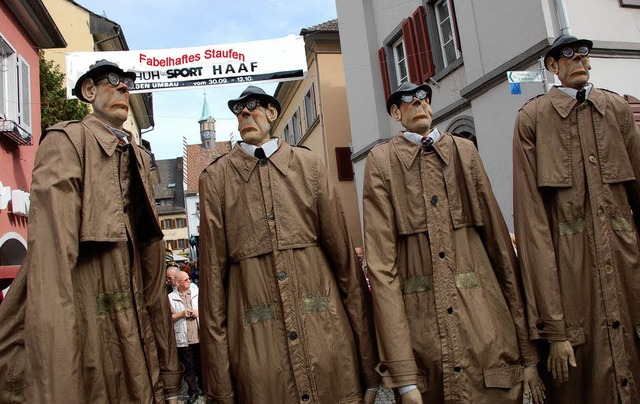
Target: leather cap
{"points": [[98, 69], [562, 41], [257, 93], [406, 88]]}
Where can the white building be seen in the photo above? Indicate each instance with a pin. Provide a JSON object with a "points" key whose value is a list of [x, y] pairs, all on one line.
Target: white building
{"points": [[464, 49]]}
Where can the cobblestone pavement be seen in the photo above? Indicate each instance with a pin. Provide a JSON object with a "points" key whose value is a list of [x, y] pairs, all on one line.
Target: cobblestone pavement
{"points": [[385, 396]]}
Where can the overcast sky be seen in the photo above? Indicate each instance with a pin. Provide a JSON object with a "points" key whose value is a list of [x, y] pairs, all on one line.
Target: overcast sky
{"points": [[160, 24]]}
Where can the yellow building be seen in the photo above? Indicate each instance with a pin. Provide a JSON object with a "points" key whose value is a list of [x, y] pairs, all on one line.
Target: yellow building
{"points": [[85, 31], [315, 115]]}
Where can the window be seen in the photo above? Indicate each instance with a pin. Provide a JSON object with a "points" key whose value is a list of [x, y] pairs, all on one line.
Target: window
{"points": [[169, 244], [181, 222], [345, 167], [15, 87], [293, 130], [183, 244], [406, 55], [168, 224], [310, 113], [446, 32], [400, 62]]}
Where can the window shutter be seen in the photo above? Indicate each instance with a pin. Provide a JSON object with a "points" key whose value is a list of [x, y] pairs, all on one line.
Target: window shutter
{"points": [[452, 10], [382, 57], [24, 95], [427, 68], [634, 103], [345, 168], [410, 47]]}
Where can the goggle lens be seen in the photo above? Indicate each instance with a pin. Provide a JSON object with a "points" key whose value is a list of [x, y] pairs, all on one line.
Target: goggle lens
{"points": [[239, 106]]}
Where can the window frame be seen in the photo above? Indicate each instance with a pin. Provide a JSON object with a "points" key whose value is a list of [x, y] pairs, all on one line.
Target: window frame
{"points": [[310, 109], [397, 63], [9, 78], [25, 112], [449, 20]]}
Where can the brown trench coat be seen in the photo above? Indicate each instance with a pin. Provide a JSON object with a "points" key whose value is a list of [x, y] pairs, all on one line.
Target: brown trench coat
{"points": [[87, 319], [577, 209], [283, 301], [447, 299]]}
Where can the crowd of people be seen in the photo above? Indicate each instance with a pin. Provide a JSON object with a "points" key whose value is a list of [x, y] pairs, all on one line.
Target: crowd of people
{"points": [[438, 306]]}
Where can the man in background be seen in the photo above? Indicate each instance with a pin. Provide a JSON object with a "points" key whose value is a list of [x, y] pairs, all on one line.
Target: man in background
{"points": [[186, 324]]}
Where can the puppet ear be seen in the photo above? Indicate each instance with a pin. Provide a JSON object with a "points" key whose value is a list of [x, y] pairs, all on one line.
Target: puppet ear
{"points": [[89, 90], [552, 63], [272, 113], [395, 113]]}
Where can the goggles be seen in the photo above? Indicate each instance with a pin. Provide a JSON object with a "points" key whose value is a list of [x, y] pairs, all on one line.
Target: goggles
{"points": [[250, 104], [114, 79], [408, 97], [568, 52]]}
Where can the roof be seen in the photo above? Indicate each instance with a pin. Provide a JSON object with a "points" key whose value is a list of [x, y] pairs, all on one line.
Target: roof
{"points": [[199, 158], [329, 26], [170, 173], [37, 22]]}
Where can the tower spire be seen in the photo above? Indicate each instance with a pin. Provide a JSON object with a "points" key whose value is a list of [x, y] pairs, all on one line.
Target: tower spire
{"points": [[207, 126]]}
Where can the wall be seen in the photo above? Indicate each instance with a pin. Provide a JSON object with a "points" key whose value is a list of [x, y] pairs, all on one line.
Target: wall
{"points": [[16, 162]]}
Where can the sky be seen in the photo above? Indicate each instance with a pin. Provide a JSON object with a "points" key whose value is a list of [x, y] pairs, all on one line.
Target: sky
{"points": [[161, 24]]}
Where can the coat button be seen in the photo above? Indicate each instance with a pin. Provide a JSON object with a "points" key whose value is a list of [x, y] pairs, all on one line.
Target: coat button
{"points": [[624, 382], [293, 335], [450, 310], [616, 324], [608, 269], [457, 369], [383, 368], [540, 326], [272, 217], [600, 212], [262, 162], [282, 276], [593, 159], [434, 200], [305, 397], [441, 254]]}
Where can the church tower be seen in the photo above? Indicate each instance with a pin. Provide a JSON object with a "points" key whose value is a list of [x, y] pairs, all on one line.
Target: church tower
{"points": [[207, 127]]}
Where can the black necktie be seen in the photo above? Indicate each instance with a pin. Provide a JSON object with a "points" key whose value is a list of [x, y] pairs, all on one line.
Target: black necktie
{"points": [[581, 95], [259, 153], [427, 143]]}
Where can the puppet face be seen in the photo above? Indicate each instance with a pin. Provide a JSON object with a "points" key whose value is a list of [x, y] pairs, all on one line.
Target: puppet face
{"points": [[414, 116]]}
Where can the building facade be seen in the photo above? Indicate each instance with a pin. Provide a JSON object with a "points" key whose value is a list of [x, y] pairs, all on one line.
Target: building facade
{"points": [[86, 31], [315, 115], [463, 50], [198, 157], [169, 194], [25, 27]]}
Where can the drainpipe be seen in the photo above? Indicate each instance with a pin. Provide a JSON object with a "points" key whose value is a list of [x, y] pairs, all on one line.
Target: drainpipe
{"points": [[563, 17]]}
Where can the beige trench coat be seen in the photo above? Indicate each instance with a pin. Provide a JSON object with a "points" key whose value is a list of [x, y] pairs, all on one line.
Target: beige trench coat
{"points": [[577, 210], [283, 302], [87, 320], [446, 290]]}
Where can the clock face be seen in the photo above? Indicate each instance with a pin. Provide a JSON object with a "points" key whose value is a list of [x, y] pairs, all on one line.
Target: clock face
{"points": [[207, 135]]}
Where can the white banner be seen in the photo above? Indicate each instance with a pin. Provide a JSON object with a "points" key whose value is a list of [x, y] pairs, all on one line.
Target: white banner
{"points": [[270, 60]]}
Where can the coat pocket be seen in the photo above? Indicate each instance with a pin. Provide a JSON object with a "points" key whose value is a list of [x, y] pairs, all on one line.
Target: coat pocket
{"points": [[503, 377]]}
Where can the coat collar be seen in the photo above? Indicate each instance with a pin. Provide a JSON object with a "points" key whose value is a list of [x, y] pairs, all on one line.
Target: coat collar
{"points": [[563, 103], [245, 163], [107, 140], [408, 151]]}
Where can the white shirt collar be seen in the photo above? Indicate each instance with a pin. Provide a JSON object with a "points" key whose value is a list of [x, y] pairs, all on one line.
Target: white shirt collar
{"points": [[269, 148], [571, 92], [417, 139]]}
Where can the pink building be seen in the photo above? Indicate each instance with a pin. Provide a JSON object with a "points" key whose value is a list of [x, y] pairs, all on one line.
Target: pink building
{"points": [[25, 27]]}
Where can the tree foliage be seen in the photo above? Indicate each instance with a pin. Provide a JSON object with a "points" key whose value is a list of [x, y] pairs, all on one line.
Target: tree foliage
{"points": [[53, 96]]}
